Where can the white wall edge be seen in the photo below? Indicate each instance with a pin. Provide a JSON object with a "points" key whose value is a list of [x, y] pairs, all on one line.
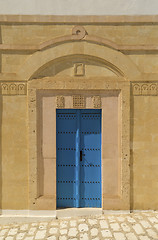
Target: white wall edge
{"points": [[116, 212], [28, 213]]}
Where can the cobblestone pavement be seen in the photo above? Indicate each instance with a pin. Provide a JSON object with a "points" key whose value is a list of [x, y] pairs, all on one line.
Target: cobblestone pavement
{"points": [[142, 226]]}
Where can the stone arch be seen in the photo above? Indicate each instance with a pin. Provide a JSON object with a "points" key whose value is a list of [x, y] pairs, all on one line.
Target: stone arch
{"points": [[116, 59]]}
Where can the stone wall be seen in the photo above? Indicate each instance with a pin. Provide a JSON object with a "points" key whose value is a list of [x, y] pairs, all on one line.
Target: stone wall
{"points": [[112, 59]]}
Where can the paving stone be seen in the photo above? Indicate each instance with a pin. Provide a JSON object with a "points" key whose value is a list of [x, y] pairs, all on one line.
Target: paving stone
{"points": [[81, 220], [13, 231], [138, 217], [83, 227], [52, 238], [84, 236], [92, 221], [119, 236], [125, 227], [9, 238], [94, 232], [20, 236], [40, 234], [146, 214], [54, 224], [138, 229], [144, 238], [72, 232], [62, 238], [3, 232], [131, 236], [73, 223], [111, 219], [32, 231], [145, 224], [34, 224], [41, 227], [6, 227], [156, 226], [63, 224], [63, 231], [115, 226], [29, 238], [153, 219], [120, 219], [131, 220], [152, 233], [53, 230], [103, 224], [24, 227], [106, 233]]}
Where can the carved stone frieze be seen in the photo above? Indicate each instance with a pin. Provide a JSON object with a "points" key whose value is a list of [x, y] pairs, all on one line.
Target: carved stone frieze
{"points": [[10, 88], [145, 89], [96, 101], [60, 101], [79, 101]]}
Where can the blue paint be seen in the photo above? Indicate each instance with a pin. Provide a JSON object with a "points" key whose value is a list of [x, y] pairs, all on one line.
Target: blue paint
{"points": [[78, 182]]}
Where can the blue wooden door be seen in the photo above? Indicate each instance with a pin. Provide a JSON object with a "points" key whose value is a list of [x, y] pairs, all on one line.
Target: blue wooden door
{"points": [[78, 135]]}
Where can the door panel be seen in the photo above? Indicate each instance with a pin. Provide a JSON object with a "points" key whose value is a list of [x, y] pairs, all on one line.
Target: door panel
{"points": [[66, 158], [90, 191], [78, 178]]}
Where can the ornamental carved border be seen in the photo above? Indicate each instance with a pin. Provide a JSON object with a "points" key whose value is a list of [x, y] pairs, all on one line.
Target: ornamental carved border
{"points": [[145, 89], [13, 88]]}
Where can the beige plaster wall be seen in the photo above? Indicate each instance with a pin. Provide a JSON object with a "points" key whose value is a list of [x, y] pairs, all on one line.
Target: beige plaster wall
{"points": [[144, 144], [147, 63], [106, 66], [14, 153], [32, 33], [23, 35]]}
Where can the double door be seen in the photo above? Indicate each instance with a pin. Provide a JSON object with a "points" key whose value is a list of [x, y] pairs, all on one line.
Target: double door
{"points": [[78, 141]]}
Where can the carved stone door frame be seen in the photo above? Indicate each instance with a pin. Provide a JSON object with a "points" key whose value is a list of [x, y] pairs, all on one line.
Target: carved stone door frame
{"points": [[98, 93]]}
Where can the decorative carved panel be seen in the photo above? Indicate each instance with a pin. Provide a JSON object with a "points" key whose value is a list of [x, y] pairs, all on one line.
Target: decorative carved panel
{"points": [[79, 69], [96, 101], [60, 101], [145, 89], [79, 101], [9, 88]]}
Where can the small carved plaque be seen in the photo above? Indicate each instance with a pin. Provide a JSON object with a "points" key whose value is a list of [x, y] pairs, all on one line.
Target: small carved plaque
{"points": [[153, 89], [60, 100], [5, 88], [96, 101], [136, 89], [79, 69], [78, 101], [22, 89], [13, 89], [144, 89]]}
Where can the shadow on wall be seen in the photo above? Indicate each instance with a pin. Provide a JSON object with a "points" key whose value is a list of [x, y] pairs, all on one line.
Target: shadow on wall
{"points": [[0, 132], [1, 110], [131, 154], [0, 53]]}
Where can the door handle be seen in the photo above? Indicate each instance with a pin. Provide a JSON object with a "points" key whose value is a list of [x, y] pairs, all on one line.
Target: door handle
{"points": [[81, 155]]}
